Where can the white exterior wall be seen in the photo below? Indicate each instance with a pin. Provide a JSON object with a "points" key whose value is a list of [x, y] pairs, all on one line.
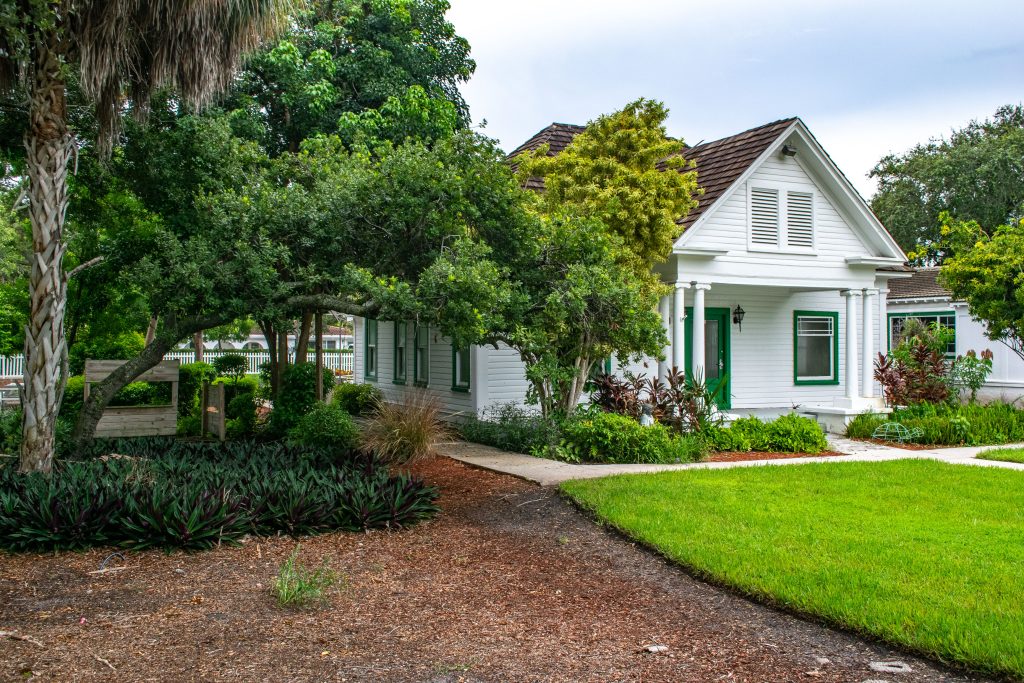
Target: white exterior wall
{"points": [[1006, 383], [439, 384], [505, 378]]}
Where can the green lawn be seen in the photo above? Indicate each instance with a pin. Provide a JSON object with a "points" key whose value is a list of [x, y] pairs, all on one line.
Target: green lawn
{"points": [[920, 553], [1003, 454]]}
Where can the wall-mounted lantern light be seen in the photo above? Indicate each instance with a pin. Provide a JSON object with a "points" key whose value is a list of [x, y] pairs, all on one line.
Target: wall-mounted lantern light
{"points": [[737, 316]]}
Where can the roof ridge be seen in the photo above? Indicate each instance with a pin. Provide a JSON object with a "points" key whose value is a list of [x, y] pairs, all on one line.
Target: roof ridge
{"points": [[787, 121]]}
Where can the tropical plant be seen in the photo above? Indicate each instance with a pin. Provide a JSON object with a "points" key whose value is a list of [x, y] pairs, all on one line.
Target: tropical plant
{"points": [[970, 370], [110, 49], [401, 433]]}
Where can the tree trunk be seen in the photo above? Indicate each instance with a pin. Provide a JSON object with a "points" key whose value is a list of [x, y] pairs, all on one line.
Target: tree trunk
{"points": [[271, 336], [302, 341], [319, 326], [197, 342], [48, 146], [102, 392], [151, 330], [282, 356]]}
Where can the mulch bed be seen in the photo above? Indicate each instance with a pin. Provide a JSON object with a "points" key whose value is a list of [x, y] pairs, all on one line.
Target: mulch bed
{"points": [[744, 456], [509, 583], [905, 446]]}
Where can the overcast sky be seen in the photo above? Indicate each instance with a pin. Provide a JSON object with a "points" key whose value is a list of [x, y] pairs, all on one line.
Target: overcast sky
{"points": [[868, 77]]}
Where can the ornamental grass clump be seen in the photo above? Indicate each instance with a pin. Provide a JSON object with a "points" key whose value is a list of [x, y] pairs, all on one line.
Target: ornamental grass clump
{"points": [[401, 433], [299, 586]]}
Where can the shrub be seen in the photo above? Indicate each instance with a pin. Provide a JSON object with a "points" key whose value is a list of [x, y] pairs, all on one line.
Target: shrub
{"points": [[325, 426], [511, 428], [10, 431], [683, 402], [404, 432], [194, 495], [118, 347], [356, 399], [970, 371], [242, 411], [297, 586], [235, 388], [190, 425], [915, 371], [786, 434], [612, 438], [233, 366], [191, 377], [295, 397], [946, 425]]}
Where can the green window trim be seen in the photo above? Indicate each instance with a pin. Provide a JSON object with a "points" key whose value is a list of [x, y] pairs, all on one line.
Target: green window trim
{"points": [[370, 359], [834, 316], [919, 314], [462, 376], [421, 347], [400, 355]]}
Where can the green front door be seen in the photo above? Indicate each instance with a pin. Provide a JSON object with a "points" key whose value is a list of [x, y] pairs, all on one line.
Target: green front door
{"points": [[716, 350]]}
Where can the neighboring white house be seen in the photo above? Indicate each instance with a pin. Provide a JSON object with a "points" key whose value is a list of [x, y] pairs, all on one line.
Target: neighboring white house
{"points": [[779, 233], [922, 297], [335, 339]]}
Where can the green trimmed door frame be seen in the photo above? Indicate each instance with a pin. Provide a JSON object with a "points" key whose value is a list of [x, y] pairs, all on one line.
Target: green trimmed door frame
{"points": [[722, 317]]}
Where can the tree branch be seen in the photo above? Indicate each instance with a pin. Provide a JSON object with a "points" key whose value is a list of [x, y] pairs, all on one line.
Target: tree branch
{"points": [[85, 266]]}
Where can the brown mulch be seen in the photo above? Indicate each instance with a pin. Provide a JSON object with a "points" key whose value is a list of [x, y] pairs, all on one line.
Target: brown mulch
{"points": [[905, 446], [744, 456], [509, 583]]}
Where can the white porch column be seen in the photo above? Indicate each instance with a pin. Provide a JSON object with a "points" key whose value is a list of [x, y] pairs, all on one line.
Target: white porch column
{"points": [[883, 320], [851, 344], [665, 308], [698, 329], [868, 347], [678, 329]]}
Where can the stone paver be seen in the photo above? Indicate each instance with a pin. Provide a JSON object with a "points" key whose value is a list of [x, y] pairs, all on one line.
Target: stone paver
{"points": [[552, 472]]}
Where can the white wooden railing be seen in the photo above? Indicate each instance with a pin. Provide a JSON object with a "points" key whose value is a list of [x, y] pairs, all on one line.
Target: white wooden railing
{"points": [[12, 367]]}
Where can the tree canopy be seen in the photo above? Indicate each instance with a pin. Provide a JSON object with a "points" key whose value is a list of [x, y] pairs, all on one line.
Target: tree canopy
{"points": [[975, 175], [986, 269]]}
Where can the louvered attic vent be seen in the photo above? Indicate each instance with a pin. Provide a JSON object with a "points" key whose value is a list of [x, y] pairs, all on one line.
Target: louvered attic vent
{"points": [[764, 216], [800, 219]]}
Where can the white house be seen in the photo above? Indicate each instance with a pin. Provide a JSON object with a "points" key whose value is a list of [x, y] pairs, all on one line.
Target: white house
{"points": [[922, 297], [779, 233]]}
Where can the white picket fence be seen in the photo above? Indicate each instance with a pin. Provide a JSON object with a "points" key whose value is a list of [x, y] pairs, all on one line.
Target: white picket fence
{"points": [[12, 367]]}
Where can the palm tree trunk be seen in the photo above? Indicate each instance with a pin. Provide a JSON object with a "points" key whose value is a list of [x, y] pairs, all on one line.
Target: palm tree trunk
{"points": [[49, 147]]}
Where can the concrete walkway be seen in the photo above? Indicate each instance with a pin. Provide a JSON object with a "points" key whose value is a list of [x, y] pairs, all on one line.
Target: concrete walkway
{"points": [[553, 472]]}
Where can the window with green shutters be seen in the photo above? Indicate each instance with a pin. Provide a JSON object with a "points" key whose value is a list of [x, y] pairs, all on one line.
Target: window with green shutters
{"points": [[370, 362], [421, 356], [400, 356], [815, 347], [461, 368]]}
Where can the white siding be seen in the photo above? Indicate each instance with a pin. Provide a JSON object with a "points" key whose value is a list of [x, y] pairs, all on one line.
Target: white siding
{"points": [[1007, 379], [506, 379], [439, 384], [727, 228]]}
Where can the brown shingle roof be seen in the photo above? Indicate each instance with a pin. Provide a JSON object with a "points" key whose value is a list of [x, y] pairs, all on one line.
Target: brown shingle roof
{"points": [[719, 163], [923, 284]]}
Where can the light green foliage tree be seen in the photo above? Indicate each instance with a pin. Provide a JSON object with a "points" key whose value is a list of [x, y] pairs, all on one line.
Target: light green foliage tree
{"points": [[624, 171], [977, 174], [986, 269]]}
